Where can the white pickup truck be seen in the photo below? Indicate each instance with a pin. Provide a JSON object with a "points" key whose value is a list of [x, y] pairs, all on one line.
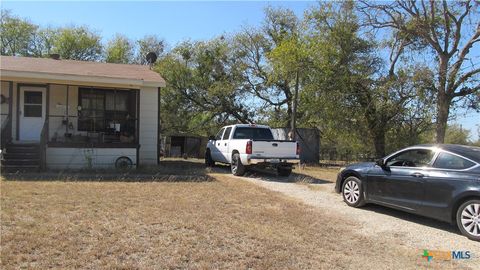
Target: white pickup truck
{"points": [[245, 145]]}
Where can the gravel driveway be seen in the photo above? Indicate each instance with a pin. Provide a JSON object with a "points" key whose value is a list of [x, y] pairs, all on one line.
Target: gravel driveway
{"points": [[404, 229]]}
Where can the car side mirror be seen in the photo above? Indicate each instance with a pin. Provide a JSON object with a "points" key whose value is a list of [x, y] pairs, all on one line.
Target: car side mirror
{"points": [[380, 162], [211, 138]]}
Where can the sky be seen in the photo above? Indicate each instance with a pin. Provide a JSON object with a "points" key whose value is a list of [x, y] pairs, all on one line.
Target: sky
{"points": [[175, 21]]}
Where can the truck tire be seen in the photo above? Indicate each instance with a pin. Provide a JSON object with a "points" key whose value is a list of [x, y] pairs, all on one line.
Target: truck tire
{"points": [[237, 168], [282, 171], [208, 159]]}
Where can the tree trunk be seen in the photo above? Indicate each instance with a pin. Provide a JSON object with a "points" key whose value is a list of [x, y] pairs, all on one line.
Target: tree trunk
{"points": [[443, 100], [294, 109], [443, 110], [379, 143]]}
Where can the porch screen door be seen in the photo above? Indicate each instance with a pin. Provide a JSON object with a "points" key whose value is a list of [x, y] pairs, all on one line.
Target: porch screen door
{"points": [[32, 113]]}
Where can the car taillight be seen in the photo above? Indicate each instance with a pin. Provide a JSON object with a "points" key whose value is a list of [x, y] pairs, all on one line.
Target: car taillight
{"points": [[248, 149], [298, 149]]}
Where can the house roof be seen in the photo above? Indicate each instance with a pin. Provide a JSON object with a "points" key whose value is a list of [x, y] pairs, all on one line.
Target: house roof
{"points": [[138, 75]]}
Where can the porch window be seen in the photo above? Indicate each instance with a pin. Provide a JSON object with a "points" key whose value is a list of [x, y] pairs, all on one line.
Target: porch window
{"points": [[112, 112]]}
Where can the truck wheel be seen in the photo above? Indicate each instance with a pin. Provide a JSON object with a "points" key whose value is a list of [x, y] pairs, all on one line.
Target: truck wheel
{"points": [[237, 167], [284, 171], [208, 160]]}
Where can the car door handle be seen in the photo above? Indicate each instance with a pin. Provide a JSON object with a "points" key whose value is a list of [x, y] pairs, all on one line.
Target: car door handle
{"points": [[225, 144], [417, 174]]}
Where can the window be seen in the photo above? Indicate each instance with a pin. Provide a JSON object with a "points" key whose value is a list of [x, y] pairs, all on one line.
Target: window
{"points": [[32, 104], [219, 134], [253, 133], [110, 111], [452, 162], [412, 158], [227, 133]]}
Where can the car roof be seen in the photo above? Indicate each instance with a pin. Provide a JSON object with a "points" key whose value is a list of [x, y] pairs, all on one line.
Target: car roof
{"points": [[471, 152]]}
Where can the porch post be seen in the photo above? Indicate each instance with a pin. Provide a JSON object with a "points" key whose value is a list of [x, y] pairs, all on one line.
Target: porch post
{"points": [[10, 110], [17, 122], [47, 111], [158, 128]]}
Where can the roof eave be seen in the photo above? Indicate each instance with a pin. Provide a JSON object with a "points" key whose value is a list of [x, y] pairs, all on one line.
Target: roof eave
{"points": [[80, 78]]}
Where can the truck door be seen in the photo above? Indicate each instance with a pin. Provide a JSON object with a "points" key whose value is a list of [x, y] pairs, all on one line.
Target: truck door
{"points": [[215, 146], [224, 145]]}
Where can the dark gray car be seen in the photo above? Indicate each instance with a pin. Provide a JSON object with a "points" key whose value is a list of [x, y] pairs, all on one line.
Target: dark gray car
{"points": [[437, 181]]}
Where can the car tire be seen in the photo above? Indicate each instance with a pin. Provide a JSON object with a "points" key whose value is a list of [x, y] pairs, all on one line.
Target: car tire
{"points": [[237, 168], [284, 171], [208, 160], [352, 192], [468, 219]]}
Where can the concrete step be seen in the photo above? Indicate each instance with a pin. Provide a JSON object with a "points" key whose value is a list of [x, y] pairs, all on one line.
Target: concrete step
{"points": [[20, 162], [19, 168]]}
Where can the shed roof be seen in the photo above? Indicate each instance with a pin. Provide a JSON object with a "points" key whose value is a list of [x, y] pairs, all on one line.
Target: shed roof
{"points": [[130, 74]]}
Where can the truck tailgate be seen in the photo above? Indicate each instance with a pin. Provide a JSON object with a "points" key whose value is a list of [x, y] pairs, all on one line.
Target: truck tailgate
{"points": [[274, 149]]}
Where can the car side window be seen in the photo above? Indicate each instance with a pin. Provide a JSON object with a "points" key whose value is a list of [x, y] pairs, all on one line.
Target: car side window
{"points": [[452, 162], [227, 133], [411, 158], [219, 134]]}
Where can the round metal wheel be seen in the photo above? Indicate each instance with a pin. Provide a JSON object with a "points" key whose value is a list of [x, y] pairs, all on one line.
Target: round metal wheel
{"points": [[208, 159], [236, 165], [352, 192], [469, 219], [123, 163]]}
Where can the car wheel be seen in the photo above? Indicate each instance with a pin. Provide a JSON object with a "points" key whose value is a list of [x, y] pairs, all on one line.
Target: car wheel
{"points": [[237, 167], [284, 171], [468, 219], [208, 160], [352, 192]]}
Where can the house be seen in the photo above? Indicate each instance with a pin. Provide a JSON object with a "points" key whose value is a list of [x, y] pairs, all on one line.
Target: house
{"points": [[65, 114]]}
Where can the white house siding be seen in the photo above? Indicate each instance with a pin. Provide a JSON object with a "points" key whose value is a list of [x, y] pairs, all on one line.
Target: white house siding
{"points": [[148, 126], [85, 158]]}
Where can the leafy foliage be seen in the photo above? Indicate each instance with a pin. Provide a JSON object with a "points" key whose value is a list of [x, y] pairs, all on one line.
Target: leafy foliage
{"points": [[119, 50]]}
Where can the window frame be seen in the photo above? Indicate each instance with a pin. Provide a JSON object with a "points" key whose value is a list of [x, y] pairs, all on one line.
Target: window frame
{"points": [[221, 131], [229, 129], [239, 128], [103, 92], [476, 164], [29, 104], [429, 165]]}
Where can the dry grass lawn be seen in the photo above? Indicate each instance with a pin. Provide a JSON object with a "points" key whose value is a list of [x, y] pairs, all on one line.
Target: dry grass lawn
{"points": [[156, 225]]}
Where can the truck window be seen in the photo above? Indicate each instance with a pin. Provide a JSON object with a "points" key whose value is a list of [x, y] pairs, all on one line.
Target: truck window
{"points": [[227, 133], [253, 133], [219, 134]]}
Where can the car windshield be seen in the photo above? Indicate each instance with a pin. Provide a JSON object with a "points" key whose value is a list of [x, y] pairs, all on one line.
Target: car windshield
{"points": [[253, 133]]}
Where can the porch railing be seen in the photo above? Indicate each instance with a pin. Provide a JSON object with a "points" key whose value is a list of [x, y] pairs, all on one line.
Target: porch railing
{"points": [[6, 134], [43, 145]]}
